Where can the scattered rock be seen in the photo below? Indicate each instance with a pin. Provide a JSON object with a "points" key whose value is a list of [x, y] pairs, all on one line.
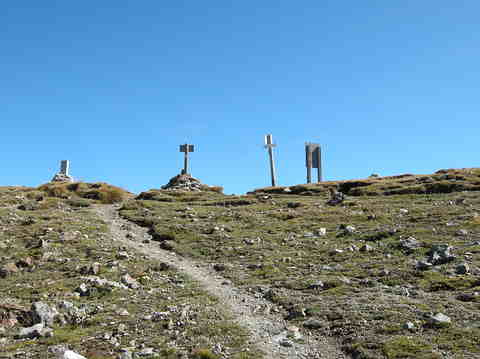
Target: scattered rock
{"points": [[318, 285], [440, 254], [336, 197], [71, 355], [423, 265], [462, 268], [439, 320], [220, 267], [130, 282], [409, 244], [321, 232], [61, 177], [313, 324], [125, 354], [286, 343], [408, 326], [294, 204], [366, 248], [462, 233], [8, 269], [92, 269], [82, 290], [35, 331], [26, 262], [145, 352], [42, 313], [467, 297], [123, 255]]}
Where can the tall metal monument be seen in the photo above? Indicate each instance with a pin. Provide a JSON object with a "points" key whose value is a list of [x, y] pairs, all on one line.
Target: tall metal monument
{"points": [[313, 154], [63, 175], [186, 148], [64, 167], [269, 146]]}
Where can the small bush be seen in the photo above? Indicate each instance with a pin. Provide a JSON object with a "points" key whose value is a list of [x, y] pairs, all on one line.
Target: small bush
{"points": [[204, 354], [78, 202], [101, 192]]}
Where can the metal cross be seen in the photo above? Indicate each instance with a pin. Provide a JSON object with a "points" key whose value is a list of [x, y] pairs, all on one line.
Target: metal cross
{"points": [[186, 148], [269, 145]]}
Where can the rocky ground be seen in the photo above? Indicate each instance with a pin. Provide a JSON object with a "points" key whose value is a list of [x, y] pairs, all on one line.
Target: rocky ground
{"points": [[71, 289], [390, 272], [376, 268]]}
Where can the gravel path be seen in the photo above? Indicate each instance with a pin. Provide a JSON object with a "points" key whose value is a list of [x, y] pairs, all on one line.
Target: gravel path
{"points": [[269, 331]]}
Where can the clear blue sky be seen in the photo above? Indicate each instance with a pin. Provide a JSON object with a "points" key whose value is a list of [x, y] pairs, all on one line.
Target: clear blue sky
{"points": [[115, 86]]}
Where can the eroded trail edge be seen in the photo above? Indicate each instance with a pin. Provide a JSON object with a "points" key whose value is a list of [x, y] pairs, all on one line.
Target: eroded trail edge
{"points": [[270, 332]]}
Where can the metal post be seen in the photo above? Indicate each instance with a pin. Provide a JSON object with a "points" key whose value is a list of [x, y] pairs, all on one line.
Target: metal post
{"points": [[309, 164], [186, 148], [319, 164], [64, 167], [185, 163], [269, 145]]}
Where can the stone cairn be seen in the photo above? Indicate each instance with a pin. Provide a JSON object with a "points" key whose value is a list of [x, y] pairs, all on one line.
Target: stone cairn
{"points": [[184, 182], [63, 175]]}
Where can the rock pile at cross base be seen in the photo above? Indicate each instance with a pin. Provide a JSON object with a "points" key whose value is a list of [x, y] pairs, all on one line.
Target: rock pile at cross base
{"points": [[184, 182], [61, 177]]}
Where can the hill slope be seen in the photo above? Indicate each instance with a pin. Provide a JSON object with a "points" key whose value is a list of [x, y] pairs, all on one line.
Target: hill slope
{"points": [[391, 271]]}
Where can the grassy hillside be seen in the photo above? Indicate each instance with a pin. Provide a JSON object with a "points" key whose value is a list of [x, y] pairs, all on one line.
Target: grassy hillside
{"points": [[102, 298], [442, 181], [374, 271]]}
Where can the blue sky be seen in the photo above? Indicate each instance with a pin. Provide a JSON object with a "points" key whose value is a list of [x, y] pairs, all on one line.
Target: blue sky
{"points": [[115, 86]]}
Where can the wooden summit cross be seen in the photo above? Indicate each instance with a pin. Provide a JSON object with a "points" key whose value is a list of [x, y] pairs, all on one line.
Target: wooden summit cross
{"points": [[186, 148]]}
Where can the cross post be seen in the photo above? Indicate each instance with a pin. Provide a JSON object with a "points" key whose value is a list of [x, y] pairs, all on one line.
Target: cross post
{"points": [[186, 148], [269, 146]]}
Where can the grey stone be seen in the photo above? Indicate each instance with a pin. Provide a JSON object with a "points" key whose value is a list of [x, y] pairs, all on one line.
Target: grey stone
{"points": [[336, 197], [42, 313], [409, 244], [83, 290], [439, 320], [366, 248], [408, 326], [350, 229], [145, 352], [423, 265], [125, 354], [462, 268], [462, 233], [321, 232], [130, 282], [35, 331], [8, 269], [60, 177], [286, 343], [92, 269], [72, 355], [318, 285], [122, 255], [440, 254], [313, 324]]}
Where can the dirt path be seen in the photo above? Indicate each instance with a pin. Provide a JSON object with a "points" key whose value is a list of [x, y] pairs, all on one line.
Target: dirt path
{"points": [[269, 331]]}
